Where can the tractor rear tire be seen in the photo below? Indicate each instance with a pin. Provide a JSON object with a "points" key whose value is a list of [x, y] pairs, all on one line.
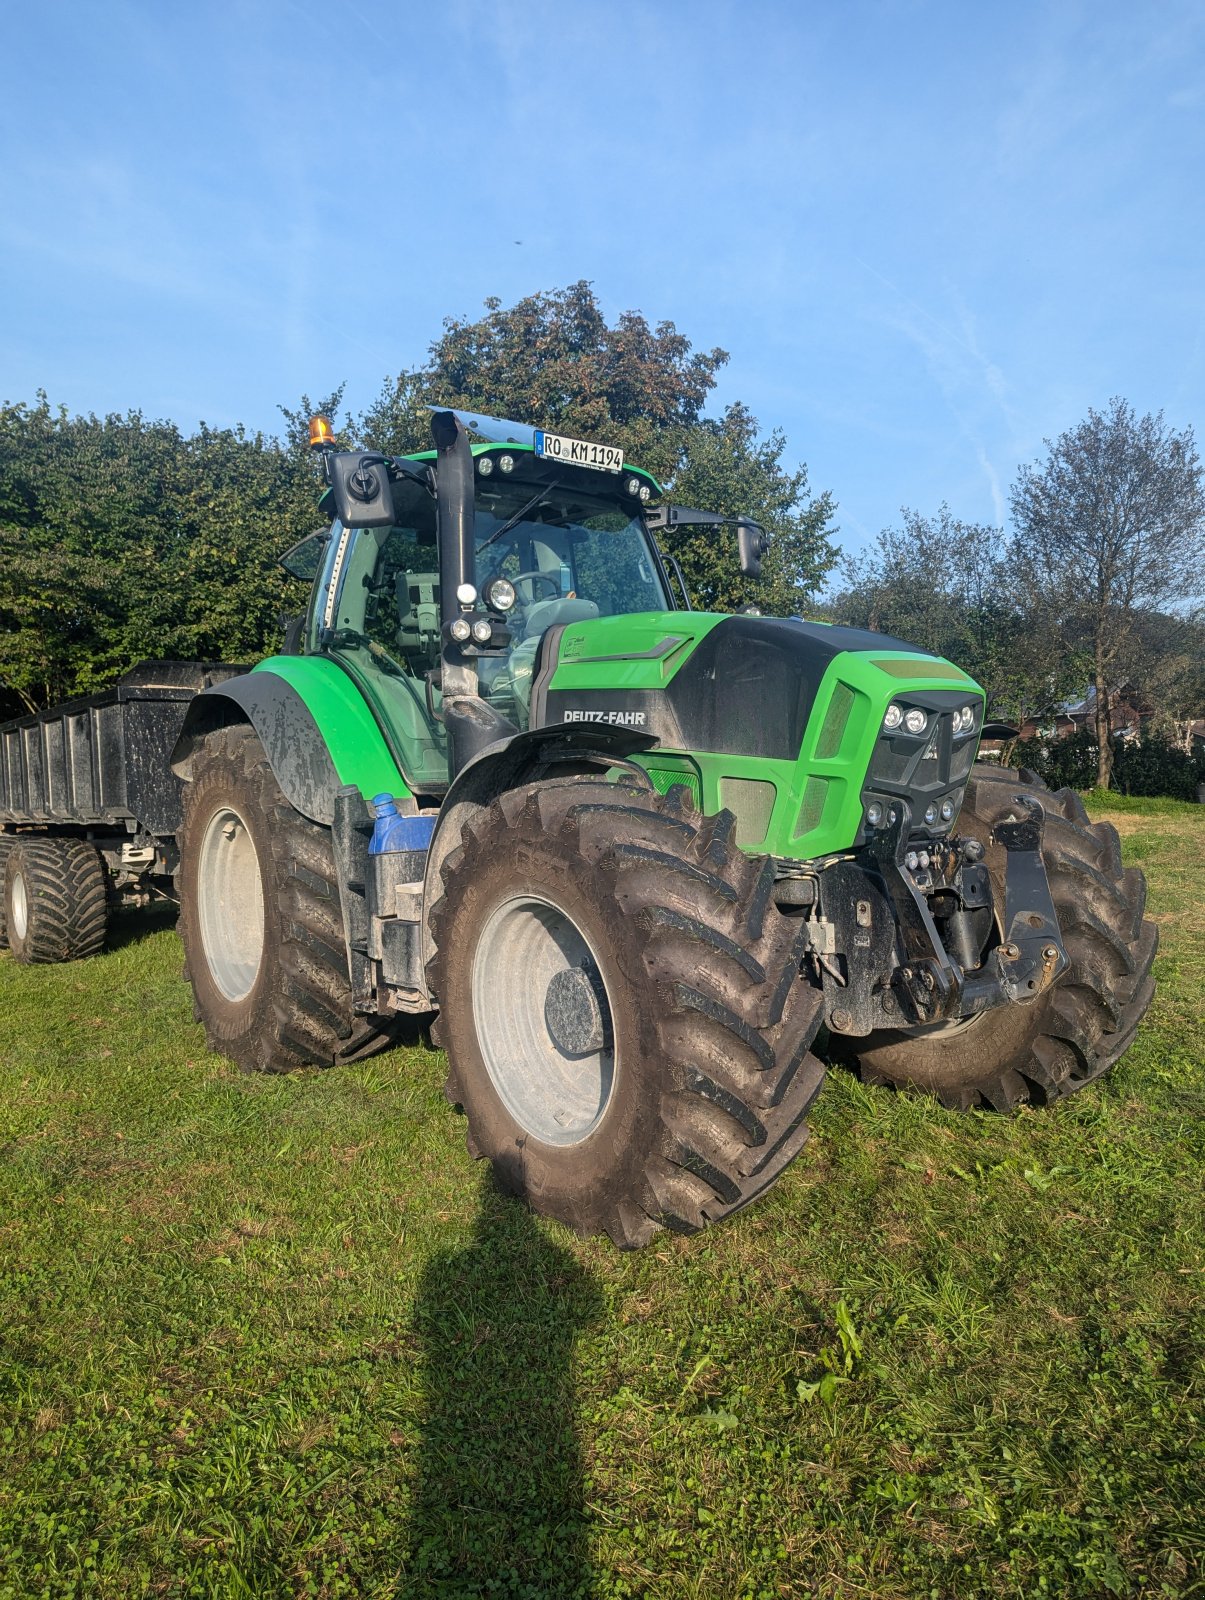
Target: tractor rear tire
{"points": [[55, 900], [260, 919], [1085, 1022], [623, 1008]]}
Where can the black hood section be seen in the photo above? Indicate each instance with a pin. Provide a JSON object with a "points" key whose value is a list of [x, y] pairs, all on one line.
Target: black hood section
{"points": [[747, 690]]}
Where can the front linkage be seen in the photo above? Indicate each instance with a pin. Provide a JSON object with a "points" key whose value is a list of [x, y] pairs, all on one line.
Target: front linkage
{"points": [[900, 933]]}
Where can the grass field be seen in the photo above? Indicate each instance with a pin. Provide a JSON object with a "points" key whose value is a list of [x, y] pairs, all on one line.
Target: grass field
{"points": [[280, 1337]]}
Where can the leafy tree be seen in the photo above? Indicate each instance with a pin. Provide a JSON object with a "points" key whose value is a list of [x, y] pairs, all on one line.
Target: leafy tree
{"points": [[1112, 522], [950, 587], [552, 359], [728, 467], [121, 539], [1165, 658]]}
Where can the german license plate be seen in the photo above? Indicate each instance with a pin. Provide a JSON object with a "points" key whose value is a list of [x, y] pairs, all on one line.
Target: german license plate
{"points": [[577, 453]]}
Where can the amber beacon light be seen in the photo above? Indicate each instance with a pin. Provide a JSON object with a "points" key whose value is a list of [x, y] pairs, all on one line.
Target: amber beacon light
{"points": [[322, 435]]}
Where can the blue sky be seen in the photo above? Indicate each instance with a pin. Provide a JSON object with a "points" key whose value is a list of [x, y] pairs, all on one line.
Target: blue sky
{"points": [[930, 235]]}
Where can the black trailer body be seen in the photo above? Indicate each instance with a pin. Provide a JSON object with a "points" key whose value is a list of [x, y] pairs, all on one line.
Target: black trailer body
{"points": [[102, 763]]}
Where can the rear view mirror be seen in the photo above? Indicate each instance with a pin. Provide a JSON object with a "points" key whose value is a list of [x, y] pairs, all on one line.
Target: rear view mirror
{"points": [[363, 494], [753, 542]]}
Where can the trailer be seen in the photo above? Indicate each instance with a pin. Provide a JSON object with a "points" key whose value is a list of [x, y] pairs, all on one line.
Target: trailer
{"points": [[89, 808]]}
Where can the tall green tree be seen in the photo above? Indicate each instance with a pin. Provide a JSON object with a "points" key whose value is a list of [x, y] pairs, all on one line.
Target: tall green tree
{"points": [[121, 539], [553, 360], [729, 467], [1110, 524]]}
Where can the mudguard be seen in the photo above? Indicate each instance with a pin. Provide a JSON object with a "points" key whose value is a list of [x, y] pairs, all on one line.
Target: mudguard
{"points": [[507, 764], [314, 725]]}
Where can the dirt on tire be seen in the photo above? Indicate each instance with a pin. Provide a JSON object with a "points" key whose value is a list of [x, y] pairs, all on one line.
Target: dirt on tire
{"points": [[299, 1011], [1077, 1030], [712, 1019]]}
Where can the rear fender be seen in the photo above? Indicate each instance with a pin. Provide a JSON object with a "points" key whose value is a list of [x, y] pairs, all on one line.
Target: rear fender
{"points": [[542, 752], [314, 725]]}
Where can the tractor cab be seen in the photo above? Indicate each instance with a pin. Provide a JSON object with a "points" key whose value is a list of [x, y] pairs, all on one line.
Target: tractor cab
{"points": [[448, 569]]}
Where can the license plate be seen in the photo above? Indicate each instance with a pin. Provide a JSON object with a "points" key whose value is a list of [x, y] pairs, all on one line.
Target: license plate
{"points": [[577, 453]]}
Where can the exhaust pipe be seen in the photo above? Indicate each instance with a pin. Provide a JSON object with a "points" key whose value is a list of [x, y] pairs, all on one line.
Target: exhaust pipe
{"points": [[454, 505], [472, 725]]}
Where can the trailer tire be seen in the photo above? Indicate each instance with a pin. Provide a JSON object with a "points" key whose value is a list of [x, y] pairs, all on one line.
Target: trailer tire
{"points": [[55, 900], [623, 1008], [1075, 1032], [260, 918], [6, 843]]}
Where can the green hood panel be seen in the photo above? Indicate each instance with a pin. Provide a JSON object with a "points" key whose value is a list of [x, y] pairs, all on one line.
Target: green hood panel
{"points": [[775, 720], [642, 651]]}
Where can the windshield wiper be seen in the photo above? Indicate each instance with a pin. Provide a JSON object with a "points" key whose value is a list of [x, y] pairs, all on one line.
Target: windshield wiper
{"points": [[537, 499]]}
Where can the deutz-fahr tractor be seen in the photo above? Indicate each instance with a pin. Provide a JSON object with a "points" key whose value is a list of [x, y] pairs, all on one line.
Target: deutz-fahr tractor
{"points": [[651, 866]]}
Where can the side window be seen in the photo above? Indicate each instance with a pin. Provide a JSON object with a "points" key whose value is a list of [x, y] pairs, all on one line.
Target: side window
{"points": [[402, 614], [392, 594]]}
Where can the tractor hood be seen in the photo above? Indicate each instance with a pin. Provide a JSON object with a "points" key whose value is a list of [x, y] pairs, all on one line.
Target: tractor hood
{"points": [[780, 721]]}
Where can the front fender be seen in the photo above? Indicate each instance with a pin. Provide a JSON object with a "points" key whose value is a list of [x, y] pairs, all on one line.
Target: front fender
{"points": [[507, 764], [315, 728]]}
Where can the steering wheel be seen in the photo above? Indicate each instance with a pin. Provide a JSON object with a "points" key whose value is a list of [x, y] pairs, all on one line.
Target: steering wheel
{"points": [[533, 578]]}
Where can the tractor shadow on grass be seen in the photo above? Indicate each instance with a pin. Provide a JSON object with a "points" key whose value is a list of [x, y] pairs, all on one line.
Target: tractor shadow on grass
{"points": [[498, 1505]]}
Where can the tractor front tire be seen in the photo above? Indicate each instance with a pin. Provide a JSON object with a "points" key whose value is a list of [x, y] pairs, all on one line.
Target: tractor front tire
{"points": [[1084, 1023], [55, 900], [626, 1023], [260, 918]]}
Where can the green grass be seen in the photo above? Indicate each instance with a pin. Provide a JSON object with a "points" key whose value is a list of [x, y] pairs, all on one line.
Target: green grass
{"points": [[279, 1337]]}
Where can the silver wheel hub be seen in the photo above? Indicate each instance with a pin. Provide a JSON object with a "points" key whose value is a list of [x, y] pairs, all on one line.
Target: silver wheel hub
{"points": [[230, 903], [543, 1020], [20, 904]]}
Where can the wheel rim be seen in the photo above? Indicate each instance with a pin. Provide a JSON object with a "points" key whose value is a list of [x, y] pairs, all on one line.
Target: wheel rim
{"points": [[543, 1020], [230, 903], [19, 907]]}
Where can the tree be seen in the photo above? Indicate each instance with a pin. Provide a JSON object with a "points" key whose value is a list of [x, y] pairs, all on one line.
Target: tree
{"points": [[1112, 522], [728, 467], [950, 587], [553, 359], [1165, 658], [121, 539]]}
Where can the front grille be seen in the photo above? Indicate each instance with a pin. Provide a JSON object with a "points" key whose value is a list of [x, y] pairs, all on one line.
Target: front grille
{"points": [[751, 801], [833, 731], [923, 770], [811, 812]]}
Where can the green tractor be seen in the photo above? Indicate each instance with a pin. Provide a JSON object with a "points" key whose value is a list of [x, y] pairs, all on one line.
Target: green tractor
{"points": [[651, 866]]}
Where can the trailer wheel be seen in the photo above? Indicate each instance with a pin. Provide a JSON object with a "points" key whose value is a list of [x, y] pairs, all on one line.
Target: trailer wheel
{"points": [[55, 900], [6, 843], [260, 918], [623, 1009], [1074, 1033]]}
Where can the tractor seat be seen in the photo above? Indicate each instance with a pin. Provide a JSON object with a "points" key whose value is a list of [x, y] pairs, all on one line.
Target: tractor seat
{"points": [[418, 615]]}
